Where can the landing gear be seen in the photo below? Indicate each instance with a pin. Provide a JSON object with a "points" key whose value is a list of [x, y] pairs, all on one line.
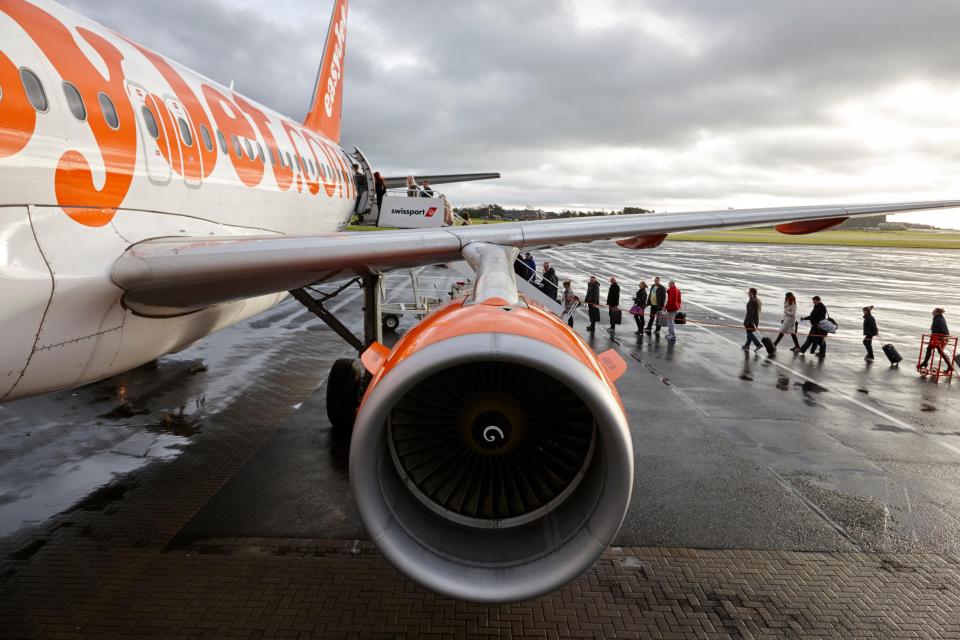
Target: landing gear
{"points": [[345, 386], [348, 379]]}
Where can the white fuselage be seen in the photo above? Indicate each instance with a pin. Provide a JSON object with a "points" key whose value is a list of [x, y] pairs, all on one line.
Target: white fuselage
{"points": [[76, 192]]}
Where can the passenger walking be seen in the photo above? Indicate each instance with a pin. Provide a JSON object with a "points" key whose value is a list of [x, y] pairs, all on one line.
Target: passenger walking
{"points": [[639, 304], [938, 331], [613, 305], [569, 301], [817, 335], [413, 189], [869, 331], [656, 300], [593, 302], [789, 325], [751, 322], [673, 304], [549, 285], [531, 272], [381, 188]]}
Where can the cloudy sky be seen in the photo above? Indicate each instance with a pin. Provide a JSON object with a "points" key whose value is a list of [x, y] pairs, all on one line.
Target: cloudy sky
{"points": [[665, 104]]}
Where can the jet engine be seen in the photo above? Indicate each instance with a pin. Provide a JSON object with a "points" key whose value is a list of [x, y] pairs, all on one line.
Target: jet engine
{"points": [[491, 460]]}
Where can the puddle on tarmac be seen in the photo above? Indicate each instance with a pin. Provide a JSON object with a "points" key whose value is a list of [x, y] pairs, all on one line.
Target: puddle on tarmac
{"points": [[890, 428], [810, 387]]}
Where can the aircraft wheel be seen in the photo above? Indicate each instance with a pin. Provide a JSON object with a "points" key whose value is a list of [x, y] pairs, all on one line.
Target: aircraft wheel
{"points": [[344, 386], [391, 322]]}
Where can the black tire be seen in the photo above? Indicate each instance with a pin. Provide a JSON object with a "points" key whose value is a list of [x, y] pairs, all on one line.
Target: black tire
{"points": [[391, 322], [344, 385]]}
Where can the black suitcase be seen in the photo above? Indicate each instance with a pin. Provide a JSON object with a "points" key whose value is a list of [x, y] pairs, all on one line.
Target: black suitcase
{"points": [[680, 318], [768, 345], [890, 351]]}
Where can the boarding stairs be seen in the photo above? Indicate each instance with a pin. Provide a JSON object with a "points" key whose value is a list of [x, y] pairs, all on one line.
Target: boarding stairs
{"points": [[529, 290]]}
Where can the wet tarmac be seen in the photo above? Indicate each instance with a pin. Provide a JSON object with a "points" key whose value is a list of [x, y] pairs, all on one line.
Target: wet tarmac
{"points": [[733, 450]]}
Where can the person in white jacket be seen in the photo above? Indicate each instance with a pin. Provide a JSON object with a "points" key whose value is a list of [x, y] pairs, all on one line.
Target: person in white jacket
{"points": [[789, 323]]}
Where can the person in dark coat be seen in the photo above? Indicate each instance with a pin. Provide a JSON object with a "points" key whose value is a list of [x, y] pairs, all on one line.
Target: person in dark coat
{"points": [[656, 300], [938, 331], [381, 189], [549, 285], [531, 272], [816, 337], [592, 300], [613, 304], [751, 321], [639, 304], [869, 331]]}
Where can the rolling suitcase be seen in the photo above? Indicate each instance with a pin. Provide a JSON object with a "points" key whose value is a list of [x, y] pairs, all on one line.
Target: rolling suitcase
{"points": [[891, 352], [768, 345]]}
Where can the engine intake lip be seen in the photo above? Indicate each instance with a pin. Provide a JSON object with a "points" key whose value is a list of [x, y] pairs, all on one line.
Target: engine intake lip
{"points": [[485, 564]]}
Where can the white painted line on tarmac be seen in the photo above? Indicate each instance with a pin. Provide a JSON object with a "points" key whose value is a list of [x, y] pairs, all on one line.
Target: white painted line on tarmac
{"points": [[845, 396]]}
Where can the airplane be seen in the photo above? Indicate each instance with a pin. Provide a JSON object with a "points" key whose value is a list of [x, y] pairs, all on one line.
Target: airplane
{"points": [[144, 206]]}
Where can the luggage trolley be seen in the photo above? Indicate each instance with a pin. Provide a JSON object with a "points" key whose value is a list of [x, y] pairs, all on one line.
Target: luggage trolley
{"points": [[947, 354]]}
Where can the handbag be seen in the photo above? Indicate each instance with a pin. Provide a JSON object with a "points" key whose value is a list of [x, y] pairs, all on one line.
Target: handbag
{"points": [[828, 325], [636, 310]]}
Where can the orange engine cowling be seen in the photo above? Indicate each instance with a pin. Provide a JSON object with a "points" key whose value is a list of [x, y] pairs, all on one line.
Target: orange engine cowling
{"points": [[491, 460]]}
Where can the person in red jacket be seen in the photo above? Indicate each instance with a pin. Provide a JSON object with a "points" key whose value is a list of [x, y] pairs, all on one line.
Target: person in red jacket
{"points": [[674, 302]]}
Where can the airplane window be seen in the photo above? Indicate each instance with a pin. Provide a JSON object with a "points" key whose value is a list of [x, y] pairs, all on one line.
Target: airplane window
{"points": [[236, 145], [273, 155], [246, 143], [35, 93], [109, 111], [222, 140], [150, 121], [299, 166], [74, 101], [313, 169], [289, 161], [207, 141], [259, 152], [185, 132]]}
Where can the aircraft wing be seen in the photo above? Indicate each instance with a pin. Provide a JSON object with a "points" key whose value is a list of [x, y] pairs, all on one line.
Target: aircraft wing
{"points": [[176, 275], [397, 182]]}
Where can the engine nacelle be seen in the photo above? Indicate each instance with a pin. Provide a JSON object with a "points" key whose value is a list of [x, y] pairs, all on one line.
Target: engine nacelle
{"points": [[491, 459]]}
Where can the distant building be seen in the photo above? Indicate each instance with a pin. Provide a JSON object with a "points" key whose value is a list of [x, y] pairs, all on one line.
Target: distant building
{"points": [[522, 214]]}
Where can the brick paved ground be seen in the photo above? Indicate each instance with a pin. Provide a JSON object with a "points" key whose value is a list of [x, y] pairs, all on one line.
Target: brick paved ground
{"points": [[114, 566]]}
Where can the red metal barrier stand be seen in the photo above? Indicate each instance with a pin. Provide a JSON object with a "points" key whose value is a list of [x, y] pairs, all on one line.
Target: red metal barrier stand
{"points": [[943, 350]]}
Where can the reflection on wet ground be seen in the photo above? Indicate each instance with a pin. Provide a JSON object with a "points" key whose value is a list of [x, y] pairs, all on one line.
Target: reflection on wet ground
{"points": [[733, 450], [65, 450]]}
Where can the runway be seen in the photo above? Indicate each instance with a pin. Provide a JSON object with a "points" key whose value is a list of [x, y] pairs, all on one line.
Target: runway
{"points": [[224, 448]]}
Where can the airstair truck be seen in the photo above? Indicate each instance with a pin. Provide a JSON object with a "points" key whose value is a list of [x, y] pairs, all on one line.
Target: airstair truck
{"points": [[403, 212]]}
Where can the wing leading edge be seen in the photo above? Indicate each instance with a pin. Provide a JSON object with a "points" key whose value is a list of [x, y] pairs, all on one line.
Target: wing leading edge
{"points": [[176, 275]]}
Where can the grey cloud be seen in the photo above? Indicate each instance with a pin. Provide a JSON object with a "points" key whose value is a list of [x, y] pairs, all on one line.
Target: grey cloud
{"points": [[510, 86]]}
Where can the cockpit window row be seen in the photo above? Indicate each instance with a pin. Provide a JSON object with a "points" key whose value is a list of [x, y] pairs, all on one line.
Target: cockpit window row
{"points": [[37, 97]]}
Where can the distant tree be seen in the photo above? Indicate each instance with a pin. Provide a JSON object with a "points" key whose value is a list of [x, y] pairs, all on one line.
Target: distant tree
{"points": [[631, 211]]}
